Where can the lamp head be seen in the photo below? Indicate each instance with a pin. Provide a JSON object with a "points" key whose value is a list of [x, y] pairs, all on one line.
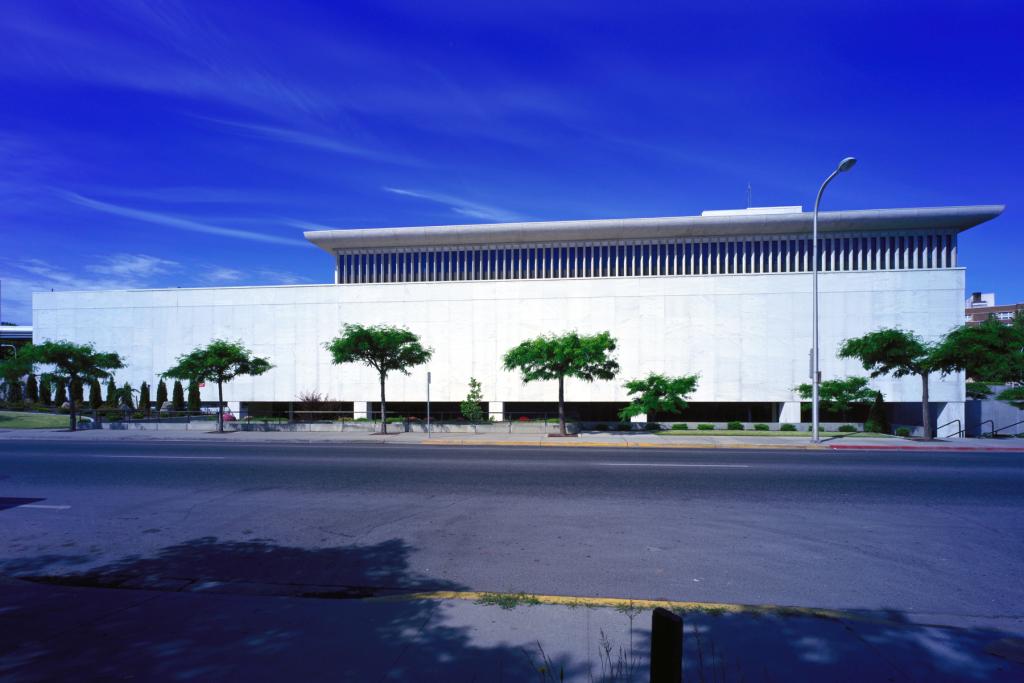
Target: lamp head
{"points": [[846, 164]]}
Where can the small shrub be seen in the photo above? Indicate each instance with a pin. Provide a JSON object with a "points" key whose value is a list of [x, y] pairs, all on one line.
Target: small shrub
{"points": [[601, 427], [680, 426], [903, 431], [736, 426], [787, 428], [522, 418], [705, 427], [761, 427], [653, 426], [847, 428]]}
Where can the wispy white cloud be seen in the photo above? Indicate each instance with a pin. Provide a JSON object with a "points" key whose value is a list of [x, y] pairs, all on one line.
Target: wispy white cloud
{"points": [[133, 265], [178, 222], [280, 277], [320, 142], [463, 207], [192, 194], [22, 277], [223, 275]]}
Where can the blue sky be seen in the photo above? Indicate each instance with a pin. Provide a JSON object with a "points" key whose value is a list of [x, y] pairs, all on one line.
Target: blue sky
{"points": [[190, 144]]}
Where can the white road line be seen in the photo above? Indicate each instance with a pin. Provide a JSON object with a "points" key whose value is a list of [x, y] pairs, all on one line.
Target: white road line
{"points": [[165, 457], [46, 507], [667, 464]]}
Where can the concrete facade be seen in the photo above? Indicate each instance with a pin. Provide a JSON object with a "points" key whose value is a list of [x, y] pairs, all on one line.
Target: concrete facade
{"points": [[747, 335]]}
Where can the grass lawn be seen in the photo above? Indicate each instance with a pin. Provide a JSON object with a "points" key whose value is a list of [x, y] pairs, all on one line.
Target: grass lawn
{"points": [[752, 432], [15, 420]]}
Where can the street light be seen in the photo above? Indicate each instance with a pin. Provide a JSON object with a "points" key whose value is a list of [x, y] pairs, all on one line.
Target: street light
{"points": [[844, 165]]}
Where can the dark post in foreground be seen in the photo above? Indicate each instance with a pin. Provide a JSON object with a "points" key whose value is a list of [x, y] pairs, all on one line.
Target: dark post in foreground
{"points": [[666, 646]]}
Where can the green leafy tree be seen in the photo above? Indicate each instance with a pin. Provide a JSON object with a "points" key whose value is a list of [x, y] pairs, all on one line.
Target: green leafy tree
{"points": [[899, 353], [219, 361], [384, 348], [73, 364], [990, 353], [60, 393], [32, 389], [111, 393], [1014, 396], [95, 394], [978, 390], [12, 369], [839, 395], [77, 392], [14, 393], [161, 394], [878, 420], [658, 394], [470, 408], [45, 392], [178, 398], [194, 402], [548, 357], [144, 399], [126, 397]]}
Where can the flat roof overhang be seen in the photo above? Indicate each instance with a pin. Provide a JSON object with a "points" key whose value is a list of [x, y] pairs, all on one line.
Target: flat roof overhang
{"points": [[957, 218]]}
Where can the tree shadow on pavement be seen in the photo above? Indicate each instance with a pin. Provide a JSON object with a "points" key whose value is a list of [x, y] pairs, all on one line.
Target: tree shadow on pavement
{"points": [[217, 610], [790, 647]]}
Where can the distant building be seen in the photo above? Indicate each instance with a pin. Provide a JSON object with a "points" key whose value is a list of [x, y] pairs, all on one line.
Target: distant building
{"points": [[14, 336], [981, 305]]}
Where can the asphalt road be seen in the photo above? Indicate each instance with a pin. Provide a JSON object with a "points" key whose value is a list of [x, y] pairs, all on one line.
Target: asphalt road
{"points": [[930, 535]]}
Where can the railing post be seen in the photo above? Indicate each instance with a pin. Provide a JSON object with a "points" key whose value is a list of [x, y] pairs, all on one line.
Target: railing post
{"points": [[666, 646]]}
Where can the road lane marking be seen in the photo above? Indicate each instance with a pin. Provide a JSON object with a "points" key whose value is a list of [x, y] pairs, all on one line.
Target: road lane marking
{"points": [[165, 457], [45, 507], [668, 464]]}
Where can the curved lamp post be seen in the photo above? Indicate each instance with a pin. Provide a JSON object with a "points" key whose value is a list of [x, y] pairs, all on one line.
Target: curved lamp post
{"points": [[844, 165]]}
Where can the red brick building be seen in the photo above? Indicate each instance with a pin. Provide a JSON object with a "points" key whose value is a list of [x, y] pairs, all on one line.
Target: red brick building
{"points": [[981, 305]]}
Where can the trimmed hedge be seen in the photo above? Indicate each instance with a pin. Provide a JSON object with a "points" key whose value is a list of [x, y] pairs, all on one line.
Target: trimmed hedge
{"points": [[735, 426], [680, 426], [760, 427], [705, 427], [787, 428], [847, 428]]}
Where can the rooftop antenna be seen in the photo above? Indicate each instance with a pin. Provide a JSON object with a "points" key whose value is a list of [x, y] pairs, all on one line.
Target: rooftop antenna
{"points": [[748, 195]]}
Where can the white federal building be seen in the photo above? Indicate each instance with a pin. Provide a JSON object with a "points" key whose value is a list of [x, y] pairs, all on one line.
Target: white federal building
{"points": [[726, 295]]}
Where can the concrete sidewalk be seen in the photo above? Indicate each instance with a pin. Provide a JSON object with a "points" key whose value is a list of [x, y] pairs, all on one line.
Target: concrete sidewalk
{"points": [[72, 633], [586, 439]]}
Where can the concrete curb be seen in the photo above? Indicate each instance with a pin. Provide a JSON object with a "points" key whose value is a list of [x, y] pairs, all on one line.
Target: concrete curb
{"points": [[911, 449], [596, 444]]}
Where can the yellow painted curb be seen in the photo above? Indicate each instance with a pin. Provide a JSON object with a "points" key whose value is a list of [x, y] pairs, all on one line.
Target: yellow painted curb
{"points": [[621, 603]]}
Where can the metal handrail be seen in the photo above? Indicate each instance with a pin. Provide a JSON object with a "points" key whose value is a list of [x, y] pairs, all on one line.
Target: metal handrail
{"points": [[959, 424], [981, 433], [996, 431]]}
